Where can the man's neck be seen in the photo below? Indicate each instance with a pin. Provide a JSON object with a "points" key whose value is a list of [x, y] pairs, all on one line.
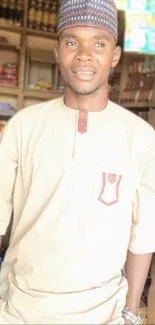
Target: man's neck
{"points": [[90, 103]]}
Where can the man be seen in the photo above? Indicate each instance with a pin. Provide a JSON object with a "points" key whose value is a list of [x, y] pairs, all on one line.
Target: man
{"points": [[78, 174]]}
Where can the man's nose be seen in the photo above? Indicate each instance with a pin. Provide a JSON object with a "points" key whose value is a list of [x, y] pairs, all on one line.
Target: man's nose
{"points": [[84, 54]]}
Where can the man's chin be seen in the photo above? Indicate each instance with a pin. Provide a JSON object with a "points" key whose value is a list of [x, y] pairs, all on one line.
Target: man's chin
{"points": [[83, 91]]}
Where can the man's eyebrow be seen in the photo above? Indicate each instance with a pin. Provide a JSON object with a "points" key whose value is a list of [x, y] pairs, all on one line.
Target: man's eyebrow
{"points": [[102, 36], [67, 35]]}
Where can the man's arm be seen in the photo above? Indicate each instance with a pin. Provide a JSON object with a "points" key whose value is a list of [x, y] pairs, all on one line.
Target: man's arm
{"points": [[142, 239], [137, 267], [9, 144]]}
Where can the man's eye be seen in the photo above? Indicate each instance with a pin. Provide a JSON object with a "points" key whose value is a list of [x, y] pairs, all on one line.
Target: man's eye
{"points": [[71, 43], [99, 45]]}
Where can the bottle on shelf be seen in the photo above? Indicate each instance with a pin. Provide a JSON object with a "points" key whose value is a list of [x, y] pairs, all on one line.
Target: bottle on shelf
{"points": [[10, 12], [3, 14], [38, 15], [46, 16], [32, 13], [1, 8], [18, 14], [53, 17], [43, 15]]}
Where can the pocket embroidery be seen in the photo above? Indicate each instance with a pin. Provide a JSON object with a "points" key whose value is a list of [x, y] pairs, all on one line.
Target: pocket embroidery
{"points": [[109, 193]]}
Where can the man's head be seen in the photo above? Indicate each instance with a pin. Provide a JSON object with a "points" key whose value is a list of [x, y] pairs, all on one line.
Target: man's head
{"points": [[87, 51]]}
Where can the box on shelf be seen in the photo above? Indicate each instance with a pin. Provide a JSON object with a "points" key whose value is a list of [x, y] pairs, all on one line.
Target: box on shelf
{"points": [[9, 74]]}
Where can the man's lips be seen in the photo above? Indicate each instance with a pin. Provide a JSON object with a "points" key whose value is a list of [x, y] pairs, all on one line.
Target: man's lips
{"points": [[84, 73], [83, 70]]}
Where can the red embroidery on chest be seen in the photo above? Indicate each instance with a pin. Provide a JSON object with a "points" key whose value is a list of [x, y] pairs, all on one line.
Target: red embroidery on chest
{"points": [[109, 193], [82, 122]]}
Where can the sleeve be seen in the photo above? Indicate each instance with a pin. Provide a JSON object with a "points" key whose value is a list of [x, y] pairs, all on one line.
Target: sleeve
{"points": [[142, 240], [8, 169]]}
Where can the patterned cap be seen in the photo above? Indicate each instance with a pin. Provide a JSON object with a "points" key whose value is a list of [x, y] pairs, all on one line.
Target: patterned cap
{"points": [[91, 13]]}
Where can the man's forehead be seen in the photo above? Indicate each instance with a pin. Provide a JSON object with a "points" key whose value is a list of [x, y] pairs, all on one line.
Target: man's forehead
{"points": [[86, 32]]}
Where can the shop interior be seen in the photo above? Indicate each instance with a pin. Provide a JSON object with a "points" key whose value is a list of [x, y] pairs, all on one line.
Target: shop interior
{"points": [[29, 73]]}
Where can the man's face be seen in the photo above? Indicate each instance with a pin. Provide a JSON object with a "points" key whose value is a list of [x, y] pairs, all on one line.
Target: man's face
{"points": [[86, 56]]}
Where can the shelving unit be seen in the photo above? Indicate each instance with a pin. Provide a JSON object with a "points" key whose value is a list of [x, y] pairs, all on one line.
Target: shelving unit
{"points": [[8, 28], [8, 47], [9, 90], [45, 95], [39, 33], [27, 39], [133, 85]]}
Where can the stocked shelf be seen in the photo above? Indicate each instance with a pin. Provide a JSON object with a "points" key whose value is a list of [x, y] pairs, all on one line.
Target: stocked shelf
{"points": [[10, 28], [139, 105], [35, 15], [14, 91], [40, 33], [11, 13], [133, 81], [6, 113], [43, 15], [45, 95], [29, 32], [9, 47], [23, 17]]}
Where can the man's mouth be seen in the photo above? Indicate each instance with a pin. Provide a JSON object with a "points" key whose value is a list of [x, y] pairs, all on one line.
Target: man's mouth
{"points": [[84, 74]]}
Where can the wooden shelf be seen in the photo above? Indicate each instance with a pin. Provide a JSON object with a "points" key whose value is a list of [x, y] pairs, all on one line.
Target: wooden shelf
{"points": [[31, 32], [39, 33], [6, 113], [40, 94], [9, 90], [137, 104], [12, 29], [9, 47], [138, 89]]}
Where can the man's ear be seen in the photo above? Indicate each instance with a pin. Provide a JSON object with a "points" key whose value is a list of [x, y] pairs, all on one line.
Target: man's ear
{"points": [[56, 52], [116, 56]]}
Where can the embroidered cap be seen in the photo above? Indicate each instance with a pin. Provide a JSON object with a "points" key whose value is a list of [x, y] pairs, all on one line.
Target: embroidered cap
{"points": [[91, 13]]}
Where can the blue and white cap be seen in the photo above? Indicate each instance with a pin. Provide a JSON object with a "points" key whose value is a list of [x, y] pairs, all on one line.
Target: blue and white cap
{"points": [[91, 13]]}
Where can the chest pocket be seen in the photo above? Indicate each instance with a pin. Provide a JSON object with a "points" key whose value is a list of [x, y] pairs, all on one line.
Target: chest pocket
{"points": [[111, 185], [110, 188]]}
